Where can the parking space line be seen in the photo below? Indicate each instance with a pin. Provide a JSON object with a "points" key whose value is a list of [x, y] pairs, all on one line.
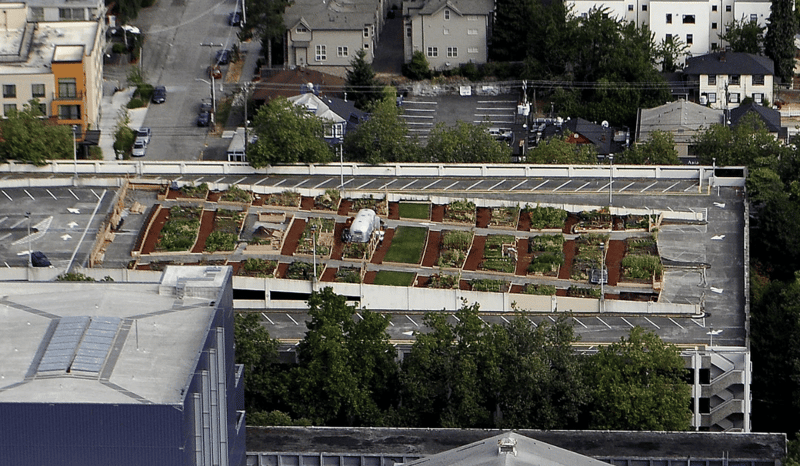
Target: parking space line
{"points": [[51, 194], [603, 188], [18, 223], [219, 179], [267, 317], [6, 195], [409, 184], [645, 189], [302, 182], [653, 323], [667, 189], [280, 183], [497, 184], [348, 181], [505, 320], [320, 184], [426, 187], [4, 237], [565, 183], [86, 230], [604, 322], [3, 219], [29, 195], [532, 322], [551, 318], [518, 185], [673, 321], [412, 320], [626, 321], [95, 194], [451, 185], [292, 319], [240, 180], [583, 186], [690, 187], [260, 181], [578, 321], [368, 182], [627, 186], [540, 185], [701, 325], [74, 195], [474, 184], [387, 184]]}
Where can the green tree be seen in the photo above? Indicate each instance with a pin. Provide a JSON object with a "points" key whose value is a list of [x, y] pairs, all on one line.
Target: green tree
{"points": [[669, 51], [383, 138], [557, 150], [418, 68], [639, 385], [265, 382], [779, 40], [744, 36], [748, 143], [347, 372], [26, 137], [546, 40], [265, 20], [510, 29], [362, 86], [659, 149], [464, 143], [287, 134]]}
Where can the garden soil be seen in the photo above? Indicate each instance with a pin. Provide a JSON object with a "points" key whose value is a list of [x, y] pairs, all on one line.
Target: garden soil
{"points": [[155, 230], [476, 253], [437, 213], [206, 227], [569, 255], [524, 221], [214, 196], [524, 258], [329, 275], [344, 207], [293, 237], [616, 251], [570, 223], [369, 277], [432, 248], [382, 249], [338, 246], [280, 271], [483, 217], [306, 203], [394, 211], [464, 285], [422, 281]]}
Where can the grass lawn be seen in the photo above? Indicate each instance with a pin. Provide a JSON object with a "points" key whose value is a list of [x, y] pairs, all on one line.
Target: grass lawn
{"points": [[415, 210], [387, 277], [407, 245]]}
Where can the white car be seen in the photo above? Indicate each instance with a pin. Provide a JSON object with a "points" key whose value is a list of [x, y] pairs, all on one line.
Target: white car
{"points": [[143, 135], [139, 149]]}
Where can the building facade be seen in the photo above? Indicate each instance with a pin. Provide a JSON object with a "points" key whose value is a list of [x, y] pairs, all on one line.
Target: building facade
{"points": [[723, 79], [449, 32], [57, 10]]}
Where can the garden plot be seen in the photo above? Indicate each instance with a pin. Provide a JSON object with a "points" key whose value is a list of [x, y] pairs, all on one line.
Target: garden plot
{"points": [[225, 231], [189, 192], [319, 230], [641, 263], [298, 270], [504, 217], [460, 212], [499, 254], [180, 230], [260, 268], [288, 200], [548, 255], [378, 205], [455, 247], [587, 256], [414, 210], [407, 245], [393, 278], [545, 218]]}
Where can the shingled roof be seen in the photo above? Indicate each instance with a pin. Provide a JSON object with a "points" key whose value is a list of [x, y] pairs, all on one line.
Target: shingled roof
{"points": [[729, 63]]}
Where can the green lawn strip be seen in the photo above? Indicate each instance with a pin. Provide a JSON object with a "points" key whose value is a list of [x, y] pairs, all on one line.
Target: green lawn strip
{"points": [[415, 210], [407, 245], [391, 278]]}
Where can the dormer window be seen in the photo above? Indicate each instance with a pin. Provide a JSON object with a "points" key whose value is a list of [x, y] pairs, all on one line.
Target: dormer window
{"points": [[447, 15], [301, 29]]}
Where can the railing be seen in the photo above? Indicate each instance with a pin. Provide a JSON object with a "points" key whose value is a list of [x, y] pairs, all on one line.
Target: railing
{"points": [[77, 95]]}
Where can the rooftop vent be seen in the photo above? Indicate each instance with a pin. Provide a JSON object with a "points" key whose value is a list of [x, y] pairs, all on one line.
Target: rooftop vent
{"points": [[507, 445]]}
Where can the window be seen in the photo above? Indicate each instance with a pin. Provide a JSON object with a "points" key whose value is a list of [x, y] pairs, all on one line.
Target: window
{"points": [[69, 112], [321, 53], [301, 29], [733, 97], [43, 109], [712, 80], [668, 38], [713, 7], [447, 15], [758, 97], [714, 46], [37, 13], [644, 7], [71, 14], [689, 39], [452, 52], [67, 88], [713, 25], [753, 18], [472, 32], [736, 80], [688, 19], [728, 8], [408, 31], [366, 46], [9, 91], [472, 50], [446, 31], [584, 15], [8, 108], [669, 18], [758, 79], [712, 97], [37, 90], [341, 51], [366, 32], [630, 7], [433, 51]]}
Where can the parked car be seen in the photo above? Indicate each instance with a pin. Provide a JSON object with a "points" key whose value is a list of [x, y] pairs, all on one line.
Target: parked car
{"points": [[205, 106], [139, 149], [204, 119], [38, 259], [143, 135], [235, 19], [223, 57], [159, 95]]}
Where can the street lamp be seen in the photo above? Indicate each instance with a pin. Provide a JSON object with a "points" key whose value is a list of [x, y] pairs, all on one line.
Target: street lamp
{"points": [[602, 282], [610, 178], [314, 240], [30, 260], [711, 334], [213, 94], [75, 132]]}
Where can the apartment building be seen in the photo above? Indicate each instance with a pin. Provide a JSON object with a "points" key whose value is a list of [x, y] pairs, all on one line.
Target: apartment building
{"points": [[449, 32], [59, 64], [60, 10], [723, 79], [697, 24]]}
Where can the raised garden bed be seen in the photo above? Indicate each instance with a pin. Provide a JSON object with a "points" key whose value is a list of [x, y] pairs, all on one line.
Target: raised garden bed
{"points": [[261, 268], [444, 281], [504, 217], [484, 284], [538, 289], [415, 210], [546, 218], [594, 220], [580, 292], [226, 231], [455, 246], [236, 195], [324, 228], [298, 270], [548, 254], [357, 251], [407, 244], [641, 268], [328, 201], [193, 192], [348, 275], [180, 230], [378, 205], [460, 212], [587, 255], [392, 278], [287, 199], [496, 254]]}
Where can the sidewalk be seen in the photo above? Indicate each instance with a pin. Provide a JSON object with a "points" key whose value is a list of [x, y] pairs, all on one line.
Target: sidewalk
{"points": [[110, 107]]}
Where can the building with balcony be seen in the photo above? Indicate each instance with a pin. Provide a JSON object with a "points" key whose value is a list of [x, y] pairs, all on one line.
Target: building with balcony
{"points": [[58, 64], [58, 10], [122, 373]]}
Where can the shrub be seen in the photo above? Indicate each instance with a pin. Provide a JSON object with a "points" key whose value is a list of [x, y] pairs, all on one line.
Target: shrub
{"points": [[546, 217], [75, 277], [579, 292], [546, 263], [180, 231], [537, 289], [451, 258], [236, 194], [260, 267], [457, 239], [348, 275], [549, 243], [124, 139], [444, 280], [300, 271], [488, 285], [136, 102], [642, 267], [118, 48], [200, 191], [220, 241]]}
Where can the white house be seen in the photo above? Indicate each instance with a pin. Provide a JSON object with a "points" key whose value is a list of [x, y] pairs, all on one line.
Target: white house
{"points": [[724, 79]]}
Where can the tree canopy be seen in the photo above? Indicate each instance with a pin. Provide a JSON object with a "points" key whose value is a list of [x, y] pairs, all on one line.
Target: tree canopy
{"points": [[659, 149], [383, 138], [779, 39], [464, 143], [557, 150], [287, 134], [362, 86], [744, 36], [27, 137]]}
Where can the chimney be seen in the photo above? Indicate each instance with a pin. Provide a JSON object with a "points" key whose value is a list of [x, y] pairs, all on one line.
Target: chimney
{"points": [[722, 57]]}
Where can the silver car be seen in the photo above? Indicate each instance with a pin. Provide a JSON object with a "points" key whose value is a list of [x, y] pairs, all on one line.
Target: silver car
{"points": [[139, 149]]}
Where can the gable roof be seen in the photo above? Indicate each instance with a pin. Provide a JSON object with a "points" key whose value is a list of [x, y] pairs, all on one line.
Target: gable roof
{"points": [[681, 118], [342, 15], [460, 7], [316, 106], [770, 117], [729, 63], [601, 137], [507, 449]]}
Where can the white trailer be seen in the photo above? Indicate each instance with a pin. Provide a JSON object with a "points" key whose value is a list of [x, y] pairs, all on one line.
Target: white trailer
{"points": [[366, 222]]}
